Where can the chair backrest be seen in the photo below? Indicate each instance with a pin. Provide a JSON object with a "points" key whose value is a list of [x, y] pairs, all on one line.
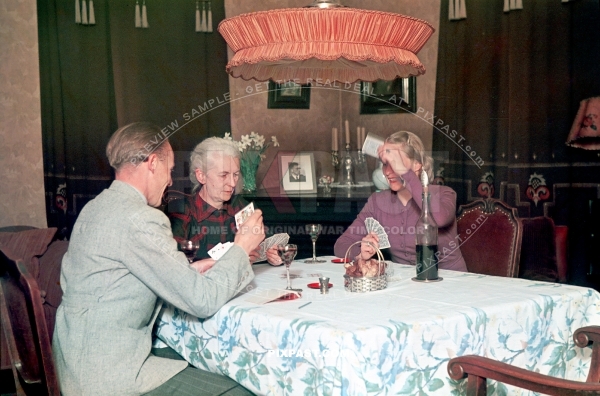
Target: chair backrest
{"points": [[490, 235], [25, 328]]}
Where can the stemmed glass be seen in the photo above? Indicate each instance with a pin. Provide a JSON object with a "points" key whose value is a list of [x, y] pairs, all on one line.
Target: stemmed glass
{"points": [[189, 248], [287, 254], [314, 230]]}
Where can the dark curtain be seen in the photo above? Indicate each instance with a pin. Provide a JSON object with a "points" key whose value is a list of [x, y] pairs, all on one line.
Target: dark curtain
{"points": [[97, 78], [508, 88]]}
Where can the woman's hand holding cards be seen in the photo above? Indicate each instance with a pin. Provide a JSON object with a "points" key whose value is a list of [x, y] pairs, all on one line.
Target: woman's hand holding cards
{"points": [[273, 257], [366, 250]]}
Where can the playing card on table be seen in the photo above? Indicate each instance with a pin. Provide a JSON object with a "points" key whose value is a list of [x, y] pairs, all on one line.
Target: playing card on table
{"points": [[242, 215], [277, 239], [373, 226], [219, 250]]}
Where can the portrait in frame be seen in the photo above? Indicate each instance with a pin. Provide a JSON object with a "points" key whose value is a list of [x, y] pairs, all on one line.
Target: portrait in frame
{"points": [[288, 95], [297, 173], [395, 96]]}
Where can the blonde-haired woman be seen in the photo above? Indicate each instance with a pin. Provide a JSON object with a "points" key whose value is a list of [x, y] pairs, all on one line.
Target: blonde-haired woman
{"points": [[398, 209]]}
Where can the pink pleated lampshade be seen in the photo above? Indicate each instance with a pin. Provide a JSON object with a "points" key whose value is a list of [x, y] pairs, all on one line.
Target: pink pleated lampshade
{"points": [[585, 132], [335, 44]]}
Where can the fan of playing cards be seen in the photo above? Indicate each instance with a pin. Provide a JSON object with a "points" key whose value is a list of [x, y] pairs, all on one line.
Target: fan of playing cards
{"points": [[240, 217], [373, 226], [277, 239]]}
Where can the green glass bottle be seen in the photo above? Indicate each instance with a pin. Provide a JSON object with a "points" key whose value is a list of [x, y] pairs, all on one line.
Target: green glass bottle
{"points": [[426, 238]]}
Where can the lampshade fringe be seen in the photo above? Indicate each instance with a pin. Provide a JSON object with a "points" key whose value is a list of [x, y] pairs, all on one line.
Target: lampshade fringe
{"points": [[198, 26], [456, 9], [77, 12], [451, 15], [138, 15], [519, 5], [144, 16], [203, 17], [463, 10], [84, 14], [506, 6], [92, 20], [209, 23]]}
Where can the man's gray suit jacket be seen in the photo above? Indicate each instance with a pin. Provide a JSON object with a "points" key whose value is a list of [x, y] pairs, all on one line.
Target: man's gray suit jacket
{"points": [[121, 263]]}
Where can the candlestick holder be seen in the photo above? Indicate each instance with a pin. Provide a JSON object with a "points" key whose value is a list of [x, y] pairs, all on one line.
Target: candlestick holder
{"points": [[347, 172], [335, 159], [360, 157]]}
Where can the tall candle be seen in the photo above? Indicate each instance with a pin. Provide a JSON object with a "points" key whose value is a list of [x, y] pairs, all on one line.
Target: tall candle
{"points": [[362, 136], [334, 139], [347, 132], [358, 138]]}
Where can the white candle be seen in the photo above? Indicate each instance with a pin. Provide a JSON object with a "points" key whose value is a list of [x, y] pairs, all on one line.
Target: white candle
{"points": [[334, 139], [358, 138], [347, 132]]}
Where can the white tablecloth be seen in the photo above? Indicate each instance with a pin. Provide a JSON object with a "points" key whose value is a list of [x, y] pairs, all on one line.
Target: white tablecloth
{"points": [[393, 341]]}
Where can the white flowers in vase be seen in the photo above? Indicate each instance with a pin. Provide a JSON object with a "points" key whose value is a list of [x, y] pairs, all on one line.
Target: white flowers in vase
{"points": [[252, 148]]}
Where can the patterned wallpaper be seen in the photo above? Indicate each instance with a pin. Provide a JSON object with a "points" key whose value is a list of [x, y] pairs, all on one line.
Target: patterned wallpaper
{"points": [[310, 129], [21, 167]]}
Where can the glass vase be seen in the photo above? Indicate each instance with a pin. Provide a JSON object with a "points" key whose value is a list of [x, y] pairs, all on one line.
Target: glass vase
{"points": [[249, 166]]}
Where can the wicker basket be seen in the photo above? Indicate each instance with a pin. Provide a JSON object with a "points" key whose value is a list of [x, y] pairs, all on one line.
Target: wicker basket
{"points": [[366, 284]]}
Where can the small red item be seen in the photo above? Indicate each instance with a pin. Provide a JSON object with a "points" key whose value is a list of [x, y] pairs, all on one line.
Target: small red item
{"points": [[340, 260], [317, 286]]}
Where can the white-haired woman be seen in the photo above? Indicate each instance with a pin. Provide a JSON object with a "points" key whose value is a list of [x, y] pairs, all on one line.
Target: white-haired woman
{"points": [[399, 208], [208, 215]]}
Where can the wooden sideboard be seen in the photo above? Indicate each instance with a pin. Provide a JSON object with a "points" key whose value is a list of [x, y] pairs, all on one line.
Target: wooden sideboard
{"points": [[289, 214]]}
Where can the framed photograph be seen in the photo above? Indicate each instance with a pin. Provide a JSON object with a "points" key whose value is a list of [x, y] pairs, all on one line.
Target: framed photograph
{"points": [[394, 96], [297, 173], [288, 95]]}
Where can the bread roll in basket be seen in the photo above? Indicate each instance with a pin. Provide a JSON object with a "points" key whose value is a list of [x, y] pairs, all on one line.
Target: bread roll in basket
{"points": [[365, 275]]}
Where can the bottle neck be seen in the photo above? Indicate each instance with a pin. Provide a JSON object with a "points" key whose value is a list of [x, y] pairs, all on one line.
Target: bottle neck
{"points": [[425, 209], [426, 216]]}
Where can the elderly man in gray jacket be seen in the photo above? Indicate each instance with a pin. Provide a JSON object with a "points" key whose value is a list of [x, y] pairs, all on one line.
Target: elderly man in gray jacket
{"points": [[121, 264]]}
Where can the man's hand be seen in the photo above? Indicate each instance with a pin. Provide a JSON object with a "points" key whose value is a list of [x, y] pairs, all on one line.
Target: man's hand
{"points": [[251, 233], [273, 257], [367, 251], [203, 265]]}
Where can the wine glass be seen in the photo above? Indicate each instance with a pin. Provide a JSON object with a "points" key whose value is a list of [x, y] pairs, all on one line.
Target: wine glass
{"points": [[287, 254], [314, 230], [189, 248]]}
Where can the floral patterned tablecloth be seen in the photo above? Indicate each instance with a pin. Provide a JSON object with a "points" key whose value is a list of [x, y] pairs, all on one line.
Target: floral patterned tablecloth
{"points": [[393, 341]]}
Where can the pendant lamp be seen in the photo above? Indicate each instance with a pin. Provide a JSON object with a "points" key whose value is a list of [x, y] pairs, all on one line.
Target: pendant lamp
{"points": [[325, 41]]}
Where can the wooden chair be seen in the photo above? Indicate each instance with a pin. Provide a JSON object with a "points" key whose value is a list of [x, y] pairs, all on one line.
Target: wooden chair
{"points": [[478, 369], [24, 324], [490, 235]]}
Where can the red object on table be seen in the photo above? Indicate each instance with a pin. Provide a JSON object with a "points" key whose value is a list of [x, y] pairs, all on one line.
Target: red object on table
{"points": [[317, 286]]}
